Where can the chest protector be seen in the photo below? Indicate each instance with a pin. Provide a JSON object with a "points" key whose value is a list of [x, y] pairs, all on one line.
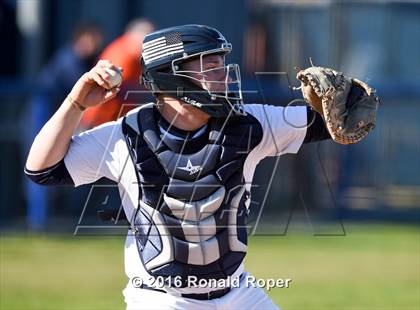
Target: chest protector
{"points": [[191, 215]]}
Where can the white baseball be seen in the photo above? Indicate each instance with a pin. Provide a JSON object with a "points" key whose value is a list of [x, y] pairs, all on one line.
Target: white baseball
{"points": [[115, 77]]}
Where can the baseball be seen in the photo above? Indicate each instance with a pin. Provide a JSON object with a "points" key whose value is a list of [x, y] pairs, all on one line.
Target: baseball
{"points": [[115, 77]]}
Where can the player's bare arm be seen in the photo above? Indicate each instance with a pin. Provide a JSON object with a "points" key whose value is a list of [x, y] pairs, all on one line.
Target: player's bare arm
{"points": [[52, 142]]}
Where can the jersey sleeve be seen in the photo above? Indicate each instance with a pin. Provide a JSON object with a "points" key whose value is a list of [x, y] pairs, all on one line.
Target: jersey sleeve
{"points": [[284, 128], [93, 154]]}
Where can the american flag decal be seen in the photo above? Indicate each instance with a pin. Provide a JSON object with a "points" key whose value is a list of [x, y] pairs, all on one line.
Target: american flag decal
{"points": [[163, 46]]}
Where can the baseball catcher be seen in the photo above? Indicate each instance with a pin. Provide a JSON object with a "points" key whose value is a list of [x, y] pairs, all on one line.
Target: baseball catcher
{"points": [[184, 163]]}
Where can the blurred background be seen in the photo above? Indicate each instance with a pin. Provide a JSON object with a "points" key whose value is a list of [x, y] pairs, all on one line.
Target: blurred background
{"points": [[341, 221]]}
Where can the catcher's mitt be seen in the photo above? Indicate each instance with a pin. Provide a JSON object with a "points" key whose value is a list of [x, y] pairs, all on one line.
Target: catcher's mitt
{"points": [[348, 105]]}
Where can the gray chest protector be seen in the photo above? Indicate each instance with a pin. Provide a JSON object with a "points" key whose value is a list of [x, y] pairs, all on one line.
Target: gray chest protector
{"points": [[191, 216]]}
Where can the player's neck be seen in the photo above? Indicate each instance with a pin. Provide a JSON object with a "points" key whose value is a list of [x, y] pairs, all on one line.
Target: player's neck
{"points": [[182, 115]]}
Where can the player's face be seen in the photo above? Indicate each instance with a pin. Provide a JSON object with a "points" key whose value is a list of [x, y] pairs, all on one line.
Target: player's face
{"points": [[209, 73]]}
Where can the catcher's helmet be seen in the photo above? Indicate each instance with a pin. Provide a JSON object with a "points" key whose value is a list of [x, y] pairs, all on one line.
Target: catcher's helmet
{"points": [[164, 53]]}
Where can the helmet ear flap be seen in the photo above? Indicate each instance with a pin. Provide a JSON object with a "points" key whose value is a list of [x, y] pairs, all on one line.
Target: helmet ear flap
{"points": [[148, 81]]}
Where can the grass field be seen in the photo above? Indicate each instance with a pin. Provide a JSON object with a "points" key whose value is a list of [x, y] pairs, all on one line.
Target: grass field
{"points": [[372, 267]]}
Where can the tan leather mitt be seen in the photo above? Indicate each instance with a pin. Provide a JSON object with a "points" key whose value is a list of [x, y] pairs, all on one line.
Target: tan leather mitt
{"points": [[348, 105]]}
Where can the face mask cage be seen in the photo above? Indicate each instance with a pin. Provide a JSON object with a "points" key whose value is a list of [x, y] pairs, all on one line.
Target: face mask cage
{"points": [[221, 82]]}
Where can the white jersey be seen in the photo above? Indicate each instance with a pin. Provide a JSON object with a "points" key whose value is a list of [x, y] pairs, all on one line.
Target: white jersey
{"points": [[102, 152]]}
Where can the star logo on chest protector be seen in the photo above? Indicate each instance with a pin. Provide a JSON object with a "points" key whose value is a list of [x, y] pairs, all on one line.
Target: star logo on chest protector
{"points": [[190, 168]]}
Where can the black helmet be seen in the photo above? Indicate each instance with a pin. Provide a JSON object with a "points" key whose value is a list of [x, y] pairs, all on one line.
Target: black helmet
{"points": [[165, 51]]}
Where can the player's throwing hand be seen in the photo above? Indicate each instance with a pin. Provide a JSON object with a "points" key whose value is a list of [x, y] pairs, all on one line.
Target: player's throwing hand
{"points": [[96, 86]]}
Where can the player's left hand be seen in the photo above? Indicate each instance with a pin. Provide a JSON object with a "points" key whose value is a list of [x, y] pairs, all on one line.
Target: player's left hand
{"points": [[348, 105]]}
